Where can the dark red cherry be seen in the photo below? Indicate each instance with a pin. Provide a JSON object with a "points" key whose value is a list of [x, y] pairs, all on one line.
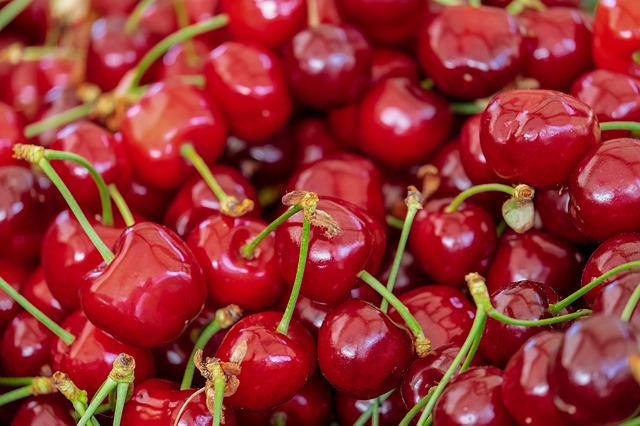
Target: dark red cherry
{"points": [[89, 359], [616, 36], [195, 201], [271, 23], [117, 7], [273, 366], [389, 63], [344, 122], [11, 133], [471, 52], [148, 201], [400, 124], [473, 397], [552, 205], [443, 312], [34, 21], [26, 347], [590, 376], [535, 256], [557, 45], [613, 299], [449, 245], [525, 390], [247, 81], [253, 284], [356, 335], [537, 137], [603, 185], [154, 145], [328, 65], [150, 292], [349, 409], [314, 140], [37, 291], [471, 155], [44, 410], [611, 253], [14, 273], [333, 262]]}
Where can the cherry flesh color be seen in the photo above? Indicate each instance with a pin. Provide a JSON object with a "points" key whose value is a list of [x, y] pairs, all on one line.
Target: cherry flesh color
{"points": [[148, 201], [537, 137], [616, 36], [44, 410], [26, 347]]}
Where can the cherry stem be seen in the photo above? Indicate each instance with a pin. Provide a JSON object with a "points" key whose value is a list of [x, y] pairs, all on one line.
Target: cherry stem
{"points": [[58, 120], [366, 415], [408, 418], [248, 249], [218, 385], [39, 386], [501, 227], [633, 422], [414, 203], [64, 335], [375, 415], [122, 391], [10, 11], [136, 15], [475, 345], [183, 22], [427, 84], [633, 126], [224, 318], [283, 326], [394, 222], [474, 3], [631, 305], [493, 313], [77, 397], [636, 57], [466, 108], [313, 13], [16, 395], [555, 308], [402, 310], [15, 381], [107, 212], [478, 189], [121, 204], [179, 36]]}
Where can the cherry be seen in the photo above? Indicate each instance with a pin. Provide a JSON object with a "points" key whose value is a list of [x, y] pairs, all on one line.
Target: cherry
{"points": [[471, 154], [537, 137], [154, 146], [328, 65], [355, 335], [11, 133], [590, 376], [616, 38], [26, 347], [525, 390], [393, 63], [37, 291], [443, 312], [273, 366], [159, 19], [314, 140], [148, 201], [15, 273], [451, 244], [44, 410], [390, 411], [118, 7], [248, 83], [552, 206], [89, 359], [471, 52], [613, 299], [409, 274], [400, 124], [33, 22], [473, 397], [535, 256], [344, 122], [183, 61], [333, 261], [603, 183]]}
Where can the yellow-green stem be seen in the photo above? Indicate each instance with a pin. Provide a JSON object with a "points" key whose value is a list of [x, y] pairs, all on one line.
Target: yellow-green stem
{"points": [[627, 312], [122, 205]]}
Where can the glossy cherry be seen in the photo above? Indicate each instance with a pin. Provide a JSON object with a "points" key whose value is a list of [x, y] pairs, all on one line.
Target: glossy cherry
{"points": [[349, 409], [471, 154], [552, 205], [14, 273], [11, 133], [37, 291], [590, 375], [314, 140], [44, 410], [393, 63], [613, 299], [471, 52], [604, 184], [148, 201], [616, 36], [355, 335], [26, 347], [537, 137], [150, 292], [181, 61]]}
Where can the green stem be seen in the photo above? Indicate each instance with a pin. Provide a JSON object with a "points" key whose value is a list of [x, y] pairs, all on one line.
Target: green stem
{"points": [[283, 326], [16, 381], [621, 125], [478, 189], [474, 347], [218, 386], [394, 222], [207, 333], [375, 414], [179, 36], [631, 305], [107, 212], [102, 394], [466, 108], [16, 395], [636, 57], [121, 204], [81, 409], [64, 335], [366, 415], [501, 227], [632, 422], [555, 308], [102, 248], [408, 418], [183, 21], [134, 18], [11, 10], [189, 153], [248, 249], [57, 120], [498, 316], [121, 397], [474, 3]]}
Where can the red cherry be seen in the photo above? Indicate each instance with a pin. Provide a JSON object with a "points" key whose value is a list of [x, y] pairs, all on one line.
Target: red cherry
{"points": [[471, 154], [159, 19], [37, 291], [150, 292], [552, 206], [15, 273], [148, 201], [181, 61], [314, 140], [26, 347], [616, 36], [44, 410], [391, 411], [613, 299], [389, 63], [11, 133]]}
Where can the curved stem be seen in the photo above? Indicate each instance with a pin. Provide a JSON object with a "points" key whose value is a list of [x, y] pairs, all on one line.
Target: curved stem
{"points": [[179, 36], [16, 395], [121, 397], [107, 212], [136, 15], [16, 381], [63, 334], [555, 308], [218, 386], [247, 250], [11, 10], [408, 418], [478, 189], [474, 347], [631, 304], [537, 323], [207, 333], [189, 153], [366, 415], [122, 205], [283, 326], [57, 120], [621, 125]]}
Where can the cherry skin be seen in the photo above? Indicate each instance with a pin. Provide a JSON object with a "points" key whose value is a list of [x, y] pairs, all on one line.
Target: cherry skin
{"points": [[616, 38], [356, 335], [154, 145], [14, 273], [471, 52], [248, 83], [604, 184], [400, 124], [26, 347], [552, 206], [37, 291], [148, 201], [44, 410], [450, 245], [253, 284], [471, 155], [348, 409], [590, 376], [179, 61], [614, 297], [11, 133], [537, 137], [473, 397], [150, 292], [328, 65], [393, 63], [525, 390], [273, 366], [314, 140]]}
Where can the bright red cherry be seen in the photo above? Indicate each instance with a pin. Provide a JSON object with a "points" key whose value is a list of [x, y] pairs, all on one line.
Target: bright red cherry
{"points": [[393, 63], [37, 291], [616, 36], [181, 61], [148, 201], [44, 410], [314, 140], [11, 133], [26, 347]]}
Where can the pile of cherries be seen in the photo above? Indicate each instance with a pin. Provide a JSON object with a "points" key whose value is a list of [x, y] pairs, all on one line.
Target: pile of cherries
{"points": [[339, 212]]}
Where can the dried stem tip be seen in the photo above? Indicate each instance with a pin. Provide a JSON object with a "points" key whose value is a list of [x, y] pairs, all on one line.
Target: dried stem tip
{"points": [[67, 388], [477, 286], [414, 197], [31, 153], [123, 369], [523, 193], [228, 315], [423, 347]]}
